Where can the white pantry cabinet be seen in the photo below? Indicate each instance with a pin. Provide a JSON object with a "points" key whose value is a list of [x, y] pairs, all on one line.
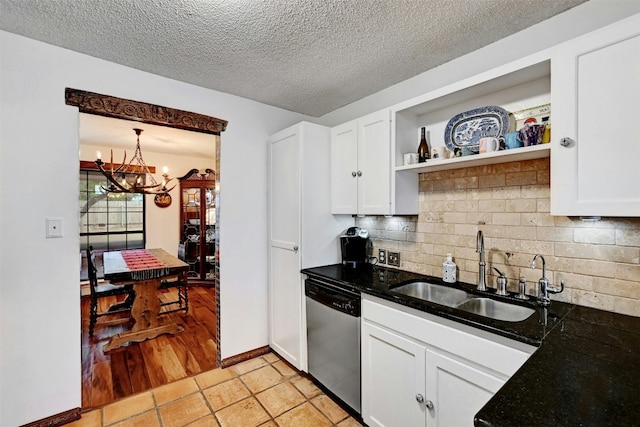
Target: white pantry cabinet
{"points": [[362, 180], [302, 231], [421, 370], [596, 104]]}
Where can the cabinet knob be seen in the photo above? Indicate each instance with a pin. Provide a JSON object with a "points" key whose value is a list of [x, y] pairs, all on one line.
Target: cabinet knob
{"points": [[295, 248], [566, 142], [353, 174], [427, 403], [359, 173]]}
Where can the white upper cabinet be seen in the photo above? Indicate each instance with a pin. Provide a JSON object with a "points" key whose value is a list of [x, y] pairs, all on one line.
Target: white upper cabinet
{"points": [[592, 84], [374, 174], [360, 166], [362, 178], [344, 167], [596, 104]]}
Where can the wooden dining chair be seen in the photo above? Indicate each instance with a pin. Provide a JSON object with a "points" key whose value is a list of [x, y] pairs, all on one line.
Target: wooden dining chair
{"points": [[179, 282], [105, 290]]}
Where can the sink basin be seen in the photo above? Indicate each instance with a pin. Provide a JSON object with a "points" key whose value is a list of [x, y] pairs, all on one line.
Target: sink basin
{"points": [[496, 309], [461, 300], [432, 292]]}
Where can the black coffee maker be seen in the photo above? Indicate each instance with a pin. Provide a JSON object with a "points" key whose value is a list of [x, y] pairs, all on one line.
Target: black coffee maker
{"points": [[355, 246]]}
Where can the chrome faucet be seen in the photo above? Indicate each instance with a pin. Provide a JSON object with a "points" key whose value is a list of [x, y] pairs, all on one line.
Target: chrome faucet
{"points": [[545, 287], [482, 274]]}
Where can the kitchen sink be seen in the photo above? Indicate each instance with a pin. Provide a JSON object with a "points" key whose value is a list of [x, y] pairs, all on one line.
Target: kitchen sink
{"points": [[443, 295], [496, 309], [462, 300]]}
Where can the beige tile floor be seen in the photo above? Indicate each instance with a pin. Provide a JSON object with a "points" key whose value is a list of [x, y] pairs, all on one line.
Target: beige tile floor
{"points": [[261, 392]]}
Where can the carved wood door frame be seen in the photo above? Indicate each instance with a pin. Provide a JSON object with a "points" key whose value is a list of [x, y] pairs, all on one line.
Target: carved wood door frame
{"points": [[120, 108], [126, 109]]}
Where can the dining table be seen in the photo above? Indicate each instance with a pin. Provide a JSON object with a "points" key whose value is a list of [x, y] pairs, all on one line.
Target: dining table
{"points": [[145, 269]]}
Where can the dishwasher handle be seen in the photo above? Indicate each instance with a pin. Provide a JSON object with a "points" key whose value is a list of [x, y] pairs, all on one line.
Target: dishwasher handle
{"points": [[348, 303]]}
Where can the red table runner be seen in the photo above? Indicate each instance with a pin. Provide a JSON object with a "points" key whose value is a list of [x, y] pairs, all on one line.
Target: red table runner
{"points": [[144, 265]]}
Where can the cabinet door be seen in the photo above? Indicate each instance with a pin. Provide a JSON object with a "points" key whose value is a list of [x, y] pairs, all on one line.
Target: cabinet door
{"points": [[596, 102], [393, 376], [374, 164], [344, 168], [285, 281], [456, 390], [197, 223]]}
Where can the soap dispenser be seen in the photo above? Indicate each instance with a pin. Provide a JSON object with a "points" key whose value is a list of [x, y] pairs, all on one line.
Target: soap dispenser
{"points": [[449, 270]]}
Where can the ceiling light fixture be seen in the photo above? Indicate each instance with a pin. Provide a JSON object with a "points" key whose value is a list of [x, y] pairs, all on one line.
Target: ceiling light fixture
{"points": [[133, 177]]}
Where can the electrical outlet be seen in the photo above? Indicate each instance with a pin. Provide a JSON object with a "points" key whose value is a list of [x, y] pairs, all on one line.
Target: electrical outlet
{"points": [[382, 256], [393, 258]]}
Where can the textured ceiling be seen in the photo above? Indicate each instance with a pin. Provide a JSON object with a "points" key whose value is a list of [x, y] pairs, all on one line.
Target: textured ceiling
{"points": [[307, 56]]}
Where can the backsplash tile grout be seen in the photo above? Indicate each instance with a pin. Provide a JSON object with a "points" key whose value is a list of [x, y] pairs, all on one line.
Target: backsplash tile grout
{"points": [[510, 203]]}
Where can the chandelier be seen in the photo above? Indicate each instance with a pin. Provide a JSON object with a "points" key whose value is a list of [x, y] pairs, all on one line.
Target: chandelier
{"points": [[132, 177]]}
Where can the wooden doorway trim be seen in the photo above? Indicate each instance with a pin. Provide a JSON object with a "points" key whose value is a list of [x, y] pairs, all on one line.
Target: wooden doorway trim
{"points": [[126, 109], [120, 108]]}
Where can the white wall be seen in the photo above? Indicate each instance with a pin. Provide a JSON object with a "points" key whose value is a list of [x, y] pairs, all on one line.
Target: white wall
{"points": [[577, 21], [40, 366]]}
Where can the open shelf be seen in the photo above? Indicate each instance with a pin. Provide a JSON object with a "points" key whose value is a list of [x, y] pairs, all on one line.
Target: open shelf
{"points": [[504, 156], [516, 86]]}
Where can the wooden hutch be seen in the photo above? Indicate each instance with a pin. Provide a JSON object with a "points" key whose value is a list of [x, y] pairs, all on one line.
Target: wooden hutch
{"points": [[197, 223]]}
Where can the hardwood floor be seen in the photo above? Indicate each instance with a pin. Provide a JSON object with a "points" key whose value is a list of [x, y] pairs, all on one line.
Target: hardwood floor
{"points": [[137, 367]]}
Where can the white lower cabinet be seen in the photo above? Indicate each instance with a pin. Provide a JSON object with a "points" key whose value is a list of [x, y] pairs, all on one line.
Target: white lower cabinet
{"points": [[393, 375], [420, 370], [457, 390]]}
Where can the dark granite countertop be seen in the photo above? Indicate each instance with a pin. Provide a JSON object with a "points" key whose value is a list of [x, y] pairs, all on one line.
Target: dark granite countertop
{"points": [[585, 372], [378, 281]]}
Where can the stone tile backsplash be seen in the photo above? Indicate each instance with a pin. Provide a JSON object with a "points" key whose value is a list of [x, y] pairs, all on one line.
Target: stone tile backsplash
{"points": [[599, 261]]}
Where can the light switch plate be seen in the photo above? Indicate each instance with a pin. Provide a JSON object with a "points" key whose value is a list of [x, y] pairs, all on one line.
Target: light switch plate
{"points": [[54, 227]]}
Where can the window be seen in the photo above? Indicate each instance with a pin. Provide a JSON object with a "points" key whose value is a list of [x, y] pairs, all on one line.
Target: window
{"points": [[109, 222]]}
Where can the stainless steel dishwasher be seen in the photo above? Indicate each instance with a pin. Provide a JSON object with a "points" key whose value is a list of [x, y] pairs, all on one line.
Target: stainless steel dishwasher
{"points": [[333, 339]]}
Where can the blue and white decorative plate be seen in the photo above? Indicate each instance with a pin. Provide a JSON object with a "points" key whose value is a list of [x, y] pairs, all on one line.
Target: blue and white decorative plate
{"points": [[464, 130]]}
